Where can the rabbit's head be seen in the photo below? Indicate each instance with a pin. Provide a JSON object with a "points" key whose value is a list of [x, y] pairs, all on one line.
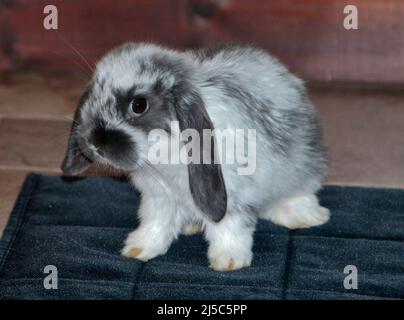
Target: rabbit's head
{"points": [[137, 88]]}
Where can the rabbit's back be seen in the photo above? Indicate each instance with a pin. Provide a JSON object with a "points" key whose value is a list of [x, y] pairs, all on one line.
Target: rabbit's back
{"points": [[246, 88]]}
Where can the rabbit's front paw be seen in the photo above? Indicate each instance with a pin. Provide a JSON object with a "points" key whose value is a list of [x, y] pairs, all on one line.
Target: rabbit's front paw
{"points": [[143, 246], [230, 242], [228, 260]]}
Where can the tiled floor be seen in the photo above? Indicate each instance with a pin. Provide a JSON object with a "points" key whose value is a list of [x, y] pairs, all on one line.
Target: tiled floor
{"points": [[364, 132]]}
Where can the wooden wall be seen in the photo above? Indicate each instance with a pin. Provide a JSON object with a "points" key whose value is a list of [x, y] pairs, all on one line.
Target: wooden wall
{"points": [[308, 35]]}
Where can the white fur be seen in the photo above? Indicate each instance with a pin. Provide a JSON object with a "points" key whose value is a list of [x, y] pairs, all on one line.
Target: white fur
{"points": [[230, 241], [301, 211]]}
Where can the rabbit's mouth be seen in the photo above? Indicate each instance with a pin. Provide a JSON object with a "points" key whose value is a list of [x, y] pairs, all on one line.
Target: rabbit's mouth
{"points": [[85, 156], [110, 147]]}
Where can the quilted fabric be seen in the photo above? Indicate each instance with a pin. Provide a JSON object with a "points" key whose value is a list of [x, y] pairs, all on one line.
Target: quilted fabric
{"points": [[79, 225]]}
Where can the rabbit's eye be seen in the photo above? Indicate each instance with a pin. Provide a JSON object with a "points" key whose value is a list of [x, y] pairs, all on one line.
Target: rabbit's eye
{"points": [[139, 105]]}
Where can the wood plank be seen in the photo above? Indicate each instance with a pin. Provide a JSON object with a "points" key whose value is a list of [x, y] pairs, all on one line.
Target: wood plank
{"points": [[310, 38], [92, 27], [306, 35]]}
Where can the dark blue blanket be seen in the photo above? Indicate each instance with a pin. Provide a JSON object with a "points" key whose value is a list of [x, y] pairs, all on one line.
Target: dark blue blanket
{"points": [[79, 225]]}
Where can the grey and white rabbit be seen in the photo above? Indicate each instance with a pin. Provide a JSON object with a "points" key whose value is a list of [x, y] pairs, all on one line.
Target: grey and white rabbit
{"points": [[139, 87]]}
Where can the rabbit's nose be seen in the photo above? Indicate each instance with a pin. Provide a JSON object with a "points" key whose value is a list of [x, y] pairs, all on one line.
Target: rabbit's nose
{"points": [[105, 140], [99, 137]]}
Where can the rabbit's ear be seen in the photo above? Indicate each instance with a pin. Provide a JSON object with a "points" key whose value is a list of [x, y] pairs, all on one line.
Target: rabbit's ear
{"points": [[205, 180], [75, 162]]}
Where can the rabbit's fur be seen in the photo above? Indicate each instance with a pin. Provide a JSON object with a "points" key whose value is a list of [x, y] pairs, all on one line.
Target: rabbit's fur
{"points": [[234, 87]]}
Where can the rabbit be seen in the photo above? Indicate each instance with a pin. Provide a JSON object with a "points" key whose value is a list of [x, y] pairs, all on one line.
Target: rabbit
{"points": [[139, 87]]}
